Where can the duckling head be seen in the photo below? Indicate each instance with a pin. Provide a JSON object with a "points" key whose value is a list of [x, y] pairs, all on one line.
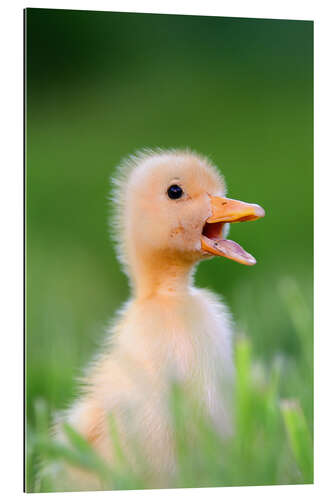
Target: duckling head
{"points": [[171, 212]]}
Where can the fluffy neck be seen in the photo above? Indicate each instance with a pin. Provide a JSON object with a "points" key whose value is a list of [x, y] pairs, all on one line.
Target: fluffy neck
{"points": [[161, 272]]}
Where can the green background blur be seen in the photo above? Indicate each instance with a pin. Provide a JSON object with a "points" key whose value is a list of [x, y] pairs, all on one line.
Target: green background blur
{"points": [[99, 86]]}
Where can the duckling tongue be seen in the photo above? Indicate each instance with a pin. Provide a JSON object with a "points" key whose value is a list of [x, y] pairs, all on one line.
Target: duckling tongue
{"points": [[227, 248]]}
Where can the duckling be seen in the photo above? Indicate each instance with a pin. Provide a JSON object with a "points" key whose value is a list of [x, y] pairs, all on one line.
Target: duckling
{"points": [[171, 212]]}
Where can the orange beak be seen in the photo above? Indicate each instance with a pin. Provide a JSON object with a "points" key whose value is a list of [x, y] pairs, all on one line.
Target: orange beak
{"points": [[225, 210]]}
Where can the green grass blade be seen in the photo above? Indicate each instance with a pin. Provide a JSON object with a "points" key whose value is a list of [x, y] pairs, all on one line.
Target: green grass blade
{"points": [[85, 453], [299, 438]]}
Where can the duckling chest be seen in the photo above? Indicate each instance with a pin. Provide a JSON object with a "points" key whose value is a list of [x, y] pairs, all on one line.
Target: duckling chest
{"points": [[187, 338]]}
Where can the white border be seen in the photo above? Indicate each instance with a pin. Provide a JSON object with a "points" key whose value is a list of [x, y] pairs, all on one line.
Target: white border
{"points": [[11, 209], [283, 9]]}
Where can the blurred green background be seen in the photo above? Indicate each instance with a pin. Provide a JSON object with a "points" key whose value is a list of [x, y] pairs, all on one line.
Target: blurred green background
{"points": [[101, 85]]}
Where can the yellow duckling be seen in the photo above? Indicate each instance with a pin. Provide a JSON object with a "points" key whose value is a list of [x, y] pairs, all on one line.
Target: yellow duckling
{"points": [[171, 213]]}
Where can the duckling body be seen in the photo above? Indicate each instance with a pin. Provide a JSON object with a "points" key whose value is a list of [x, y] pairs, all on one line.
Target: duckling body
{"points": [[169, 330], [156, 341]]}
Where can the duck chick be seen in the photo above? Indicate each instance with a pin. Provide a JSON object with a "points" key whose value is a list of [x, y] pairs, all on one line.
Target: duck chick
{"points": [[171, 213]]}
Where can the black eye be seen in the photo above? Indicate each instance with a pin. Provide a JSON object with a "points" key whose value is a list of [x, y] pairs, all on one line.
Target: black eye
{"points": [[175, 192]]}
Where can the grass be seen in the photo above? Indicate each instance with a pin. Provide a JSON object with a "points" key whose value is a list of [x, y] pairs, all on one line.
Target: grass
{"points": [[272, 443]]}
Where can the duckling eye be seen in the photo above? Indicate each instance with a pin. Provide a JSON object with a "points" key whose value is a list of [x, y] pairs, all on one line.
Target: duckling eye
{"points": [[175, 192]]}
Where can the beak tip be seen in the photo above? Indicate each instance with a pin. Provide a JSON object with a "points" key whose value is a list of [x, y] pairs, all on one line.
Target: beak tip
{"points": [[259, 211]]}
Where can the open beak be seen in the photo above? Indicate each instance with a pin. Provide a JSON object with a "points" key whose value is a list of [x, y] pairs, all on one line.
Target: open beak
{"points": [[225, 210]]}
